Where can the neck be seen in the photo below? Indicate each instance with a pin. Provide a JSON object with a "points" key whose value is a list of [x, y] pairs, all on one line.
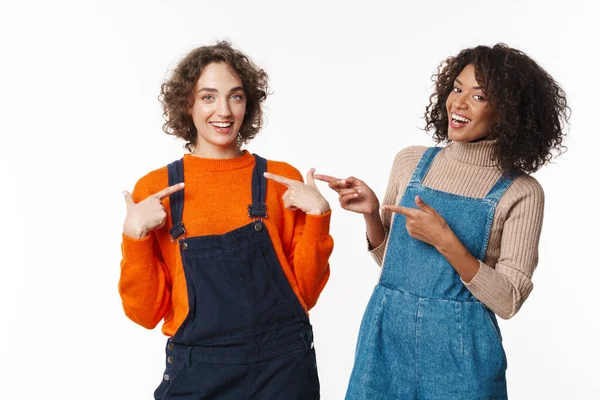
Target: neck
{"points": [[480, 153], [216, 152]]}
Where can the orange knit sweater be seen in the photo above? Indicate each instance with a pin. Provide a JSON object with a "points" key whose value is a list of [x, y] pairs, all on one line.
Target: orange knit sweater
{"points": [[217, 194]]}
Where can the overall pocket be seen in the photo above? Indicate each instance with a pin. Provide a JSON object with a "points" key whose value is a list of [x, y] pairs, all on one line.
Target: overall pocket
{"points": [[170, 378], [492, 323], [491, 317]]}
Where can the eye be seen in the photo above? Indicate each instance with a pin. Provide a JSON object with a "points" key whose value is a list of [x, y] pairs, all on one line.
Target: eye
{"points": [[237, 97], [207, 97], [456, 90], [479, 98]]}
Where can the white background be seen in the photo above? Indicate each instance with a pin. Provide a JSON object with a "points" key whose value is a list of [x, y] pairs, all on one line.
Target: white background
{"points": [[80, 122]]}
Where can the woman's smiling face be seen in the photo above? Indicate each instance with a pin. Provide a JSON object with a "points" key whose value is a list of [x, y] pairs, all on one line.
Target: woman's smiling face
{"points": [[469, 113], [218, 109]]}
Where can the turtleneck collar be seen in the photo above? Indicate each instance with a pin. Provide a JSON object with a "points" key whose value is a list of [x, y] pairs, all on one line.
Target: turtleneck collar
{"points": [[474, 153], [214, 164]]}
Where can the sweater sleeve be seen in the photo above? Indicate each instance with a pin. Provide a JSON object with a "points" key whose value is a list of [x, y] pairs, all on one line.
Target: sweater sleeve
{"points": [[403, 167], [144, 284], [309, 253], [504, 287]]}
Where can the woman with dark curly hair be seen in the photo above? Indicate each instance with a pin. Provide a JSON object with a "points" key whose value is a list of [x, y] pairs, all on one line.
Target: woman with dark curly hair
{"points": [[233, 265], [463, 243]]}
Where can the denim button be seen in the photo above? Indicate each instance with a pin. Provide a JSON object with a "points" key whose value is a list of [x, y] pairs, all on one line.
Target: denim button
{"points": [[170, 346], [166, 378], [170, 359], [258, 226], [184, 246]]}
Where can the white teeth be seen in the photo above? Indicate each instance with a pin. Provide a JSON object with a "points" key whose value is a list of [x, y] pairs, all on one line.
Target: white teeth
{"points": [[459, 118], [221, 124]]}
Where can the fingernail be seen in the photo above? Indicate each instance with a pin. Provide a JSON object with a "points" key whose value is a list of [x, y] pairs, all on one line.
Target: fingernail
{"points": [[181, 184], [124, 193], [343, 181], [359, 191]]}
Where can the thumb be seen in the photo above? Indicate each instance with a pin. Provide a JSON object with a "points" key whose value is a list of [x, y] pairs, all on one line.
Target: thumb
{"points": [[128, 198], [310, 178], [424, 206]]}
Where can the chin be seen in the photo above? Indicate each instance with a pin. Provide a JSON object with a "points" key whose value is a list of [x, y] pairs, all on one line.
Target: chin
{"points": [[465, 138], [456, 137], [224, 141]]}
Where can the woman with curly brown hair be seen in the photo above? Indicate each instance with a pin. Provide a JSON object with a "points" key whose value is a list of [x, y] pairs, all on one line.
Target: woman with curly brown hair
{"points": [[233, 265], [462, 244]]}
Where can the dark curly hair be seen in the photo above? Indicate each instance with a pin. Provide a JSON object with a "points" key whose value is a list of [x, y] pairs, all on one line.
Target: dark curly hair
{"points": [[530, 108], [176, 94]]}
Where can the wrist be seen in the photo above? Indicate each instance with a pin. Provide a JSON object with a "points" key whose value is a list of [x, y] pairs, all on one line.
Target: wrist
{"points": [[448, 242], [373, 215], [133, 231], [323, 208]]}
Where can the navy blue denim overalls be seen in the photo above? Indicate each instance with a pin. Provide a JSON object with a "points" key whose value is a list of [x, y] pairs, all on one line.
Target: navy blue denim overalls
{"points": [[424, 335], [246, 335]]}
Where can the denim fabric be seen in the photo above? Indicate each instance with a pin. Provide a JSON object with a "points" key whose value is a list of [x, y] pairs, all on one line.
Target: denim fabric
{"points": [[284, 369], [424, 335], [246, 335]]}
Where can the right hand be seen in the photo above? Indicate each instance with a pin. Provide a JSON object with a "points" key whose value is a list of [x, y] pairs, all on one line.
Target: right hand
{"points": [[354, 194], [147, 215], [303, 196]]}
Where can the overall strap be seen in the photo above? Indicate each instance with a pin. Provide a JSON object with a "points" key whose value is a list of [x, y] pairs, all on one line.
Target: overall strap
{"points": [[501, 185], [175, 170], [424, 164], [258, 208]]}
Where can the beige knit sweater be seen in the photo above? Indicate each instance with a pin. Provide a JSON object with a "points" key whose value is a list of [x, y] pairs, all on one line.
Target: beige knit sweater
{"points": [[504, 278]]}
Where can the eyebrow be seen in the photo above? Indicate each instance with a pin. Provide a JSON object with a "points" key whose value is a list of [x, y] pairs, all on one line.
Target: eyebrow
{"points": [[213, 90], [460, 83]]}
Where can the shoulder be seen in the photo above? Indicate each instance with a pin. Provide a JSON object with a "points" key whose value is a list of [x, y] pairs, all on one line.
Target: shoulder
{"points": [[525, 195], [406, 160], [283, 169], [527, 187], [151, 183]]}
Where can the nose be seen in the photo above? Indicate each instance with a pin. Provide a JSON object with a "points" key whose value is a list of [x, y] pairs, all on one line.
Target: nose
{"points": [[460, 101], [223, 109]]}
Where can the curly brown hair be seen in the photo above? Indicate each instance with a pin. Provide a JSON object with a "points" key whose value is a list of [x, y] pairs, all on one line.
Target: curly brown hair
{"points": [[530, 108], [176, 94]]}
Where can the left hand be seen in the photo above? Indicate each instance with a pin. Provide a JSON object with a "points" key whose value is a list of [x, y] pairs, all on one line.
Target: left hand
{"points": [[424, 223], [303, 196]]}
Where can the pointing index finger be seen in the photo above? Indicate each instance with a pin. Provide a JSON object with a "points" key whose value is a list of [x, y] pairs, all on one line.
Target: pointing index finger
{"points": [[408, 212], [169, 190], [325, 178], [280, 179]]}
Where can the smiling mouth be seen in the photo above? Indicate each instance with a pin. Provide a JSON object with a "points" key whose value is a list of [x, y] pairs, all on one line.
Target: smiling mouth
{"points": [[458, 119], [221, 124]]}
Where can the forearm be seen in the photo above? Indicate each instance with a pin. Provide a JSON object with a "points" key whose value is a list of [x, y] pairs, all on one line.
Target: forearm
{"points": [[311, 258], [465, 264], [375, 229], [144, 286], [502, 289]]}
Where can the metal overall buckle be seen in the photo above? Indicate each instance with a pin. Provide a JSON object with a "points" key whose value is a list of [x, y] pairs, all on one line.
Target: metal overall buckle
{"points": [[177, 233], [257, 211]]}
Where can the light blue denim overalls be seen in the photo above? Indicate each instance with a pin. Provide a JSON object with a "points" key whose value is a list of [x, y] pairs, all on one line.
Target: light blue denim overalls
{"points": [[424, 335]]}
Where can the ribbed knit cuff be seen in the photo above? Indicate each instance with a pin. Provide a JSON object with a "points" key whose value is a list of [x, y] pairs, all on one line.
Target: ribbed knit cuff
{"points": [[478, 283], [317, 226], [378, 252], [138, 251]]}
